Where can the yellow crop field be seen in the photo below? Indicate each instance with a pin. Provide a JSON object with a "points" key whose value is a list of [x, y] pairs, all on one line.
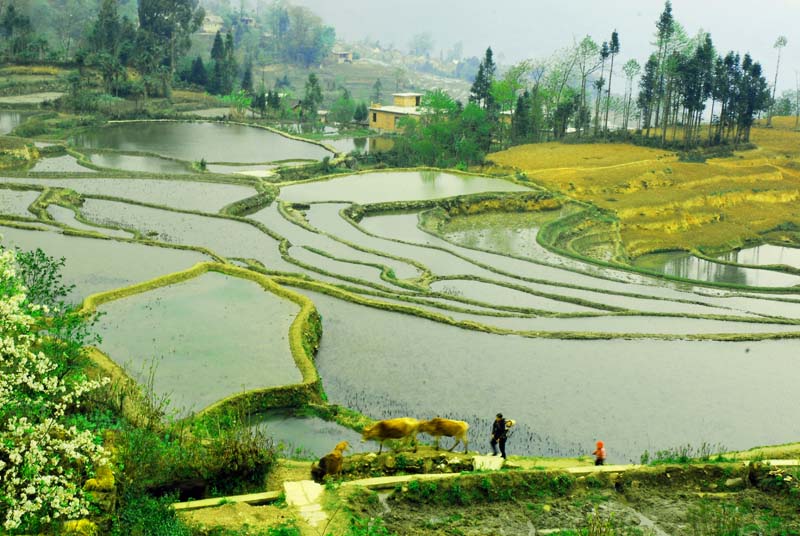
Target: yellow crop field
{"points": [[663, 203]]}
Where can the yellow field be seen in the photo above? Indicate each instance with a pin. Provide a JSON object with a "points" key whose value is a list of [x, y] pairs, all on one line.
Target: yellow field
{"points": [[662, 203]]}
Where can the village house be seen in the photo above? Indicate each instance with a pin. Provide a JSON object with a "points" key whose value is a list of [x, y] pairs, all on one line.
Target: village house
{"points": [[387, 118], [342, 56]]}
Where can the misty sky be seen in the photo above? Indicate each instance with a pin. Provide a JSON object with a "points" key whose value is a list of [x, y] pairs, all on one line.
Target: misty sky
{"points": [[519, 29]]}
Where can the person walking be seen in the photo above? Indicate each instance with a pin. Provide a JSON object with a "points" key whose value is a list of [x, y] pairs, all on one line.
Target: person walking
{"points": [[499, 435], [600, 454]]}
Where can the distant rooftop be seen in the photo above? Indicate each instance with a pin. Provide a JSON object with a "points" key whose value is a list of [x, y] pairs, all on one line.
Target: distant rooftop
{"points": [[406, 94]]}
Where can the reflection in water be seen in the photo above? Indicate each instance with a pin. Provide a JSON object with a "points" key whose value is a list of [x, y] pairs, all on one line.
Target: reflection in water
{"points": [[765, 254], [216, 142], [10, 119], [149, 164], [394, 186], [306, 437], [688, 266]]}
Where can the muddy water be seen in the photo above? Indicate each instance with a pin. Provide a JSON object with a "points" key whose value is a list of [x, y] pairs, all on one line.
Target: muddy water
{"points": [[194, 334], [765, 254], [690, 267], [95, 265], [394, 186], [201, 196], [564, 394], [216, 142]]}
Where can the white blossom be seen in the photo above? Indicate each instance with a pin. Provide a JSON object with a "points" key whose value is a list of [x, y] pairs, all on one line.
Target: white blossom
{"points": [[42, 461]]}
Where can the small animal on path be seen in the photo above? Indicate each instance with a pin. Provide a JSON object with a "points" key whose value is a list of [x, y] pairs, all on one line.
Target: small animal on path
{"points": [[331, 463]]}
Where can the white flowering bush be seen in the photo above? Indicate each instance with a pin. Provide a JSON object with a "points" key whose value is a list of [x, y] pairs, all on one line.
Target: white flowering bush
{"points": [[43, 460]]}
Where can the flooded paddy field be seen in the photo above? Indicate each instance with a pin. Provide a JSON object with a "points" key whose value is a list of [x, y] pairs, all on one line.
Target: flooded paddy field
{"points": [[185, 332], [16, 202], [688, 266], [11, 119], [470, 318], [306, 436], [127, 162], [183, 194], [64, 164], [94, 265], [765, 254], [67, 217], [214, 142], [394, 186], [564, 394]]}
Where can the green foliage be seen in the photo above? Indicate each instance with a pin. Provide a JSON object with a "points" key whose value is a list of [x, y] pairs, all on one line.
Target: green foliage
{"points": [[445, 136], [239, 100], [284, 529], [148, 516], [312, 98], [300, 36], [367, 527], [684, 454], [561, 484], [712, 519], [343, 109]]}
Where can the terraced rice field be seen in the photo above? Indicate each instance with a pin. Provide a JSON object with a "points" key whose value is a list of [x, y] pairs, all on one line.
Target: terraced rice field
{"points": [[439, 296]]}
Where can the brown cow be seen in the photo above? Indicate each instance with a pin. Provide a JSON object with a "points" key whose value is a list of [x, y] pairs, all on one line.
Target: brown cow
{"points": [[439, 427], [331, 463], [392, 429]]}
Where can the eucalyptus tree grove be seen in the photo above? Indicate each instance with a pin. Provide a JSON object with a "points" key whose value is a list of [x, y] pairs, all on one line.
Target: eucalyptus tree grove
{"points": [[684, 74]]}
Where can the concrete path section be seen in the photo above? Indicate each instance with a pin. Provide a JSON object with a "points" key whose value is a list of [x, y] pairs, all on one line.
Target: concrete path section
{"points": [[304, 496]]}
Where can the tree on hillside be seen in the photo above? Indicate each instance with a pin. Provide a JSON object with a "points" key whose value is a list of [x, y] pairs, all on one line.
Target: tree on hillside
{"points": [[198, 74], [312, 98], [247, 77], [377, 91], [481, 93], [362, 113], [343, 108], [587, 61], [631, 70], [299, 36], [20, 41], [421, 44], [664, 30], [613, 49], [779, 44], [648, 88], [605, 51], [170, 23]]}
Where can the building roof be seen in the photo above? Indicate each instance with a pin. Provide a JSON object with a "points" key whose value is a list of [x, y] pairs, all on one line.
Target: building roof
{"points": [[399, 110], [406, 94]]}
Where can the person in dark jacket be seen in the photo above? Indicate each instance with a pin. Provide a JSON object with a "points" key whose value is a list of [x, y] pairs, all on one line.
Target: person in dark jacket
{"points": [[499, 435]]}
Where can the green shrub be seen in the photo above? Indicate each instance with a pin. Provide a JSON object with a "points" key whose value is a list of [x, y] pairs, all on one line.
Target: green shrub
{"points": [[143, 515]]}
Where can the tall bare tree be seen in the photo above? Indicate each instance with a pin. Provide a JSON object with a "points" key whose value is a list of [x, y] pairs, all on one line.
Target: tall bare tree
{"points": [[613, 48], [779, 44]]}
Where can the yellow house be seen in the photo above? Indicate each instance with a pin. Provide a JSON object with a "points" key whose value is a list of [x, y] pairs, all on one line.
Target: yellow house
{"points": [[387, 118]]}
